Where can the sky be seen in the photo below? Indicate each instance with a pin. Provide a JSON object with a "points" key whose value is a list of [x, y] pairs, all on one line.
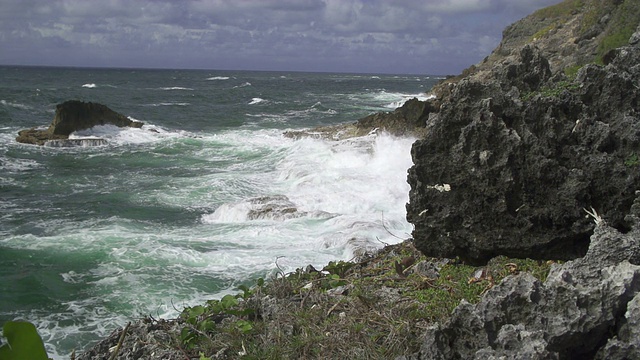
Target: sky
{"points": [[436, 37]]}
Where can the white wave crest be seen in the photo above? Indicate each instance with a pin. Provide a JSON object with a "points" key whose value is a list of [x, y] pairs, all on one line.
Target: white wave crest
{"points": [[125, 135], [169, 104], [15, 105], [242, 85], [90, 86], [176, 88], [218, 78], [256, 100], [398, 99]]}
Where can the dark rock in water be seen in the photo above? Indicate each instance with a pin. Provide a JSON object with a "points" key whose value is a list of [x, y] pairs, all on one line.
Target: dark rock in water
{"points": [[74, 116], [274, 207], [75, 142], [77, 115], [587, 308], [509, 162], [269, 207], [37, 136], [408, 120]]}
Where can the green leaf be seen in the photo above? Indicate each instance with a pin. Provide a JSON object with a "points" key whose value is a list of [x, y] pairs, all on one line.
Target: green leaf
{"points": [[23, 342], [228, 301], [244, 326], [206, 325]]}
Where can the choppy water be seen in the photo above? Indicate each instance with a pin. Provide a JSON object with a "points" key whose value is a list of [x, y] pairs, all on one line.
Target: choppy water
{"points": [[159, 218]]}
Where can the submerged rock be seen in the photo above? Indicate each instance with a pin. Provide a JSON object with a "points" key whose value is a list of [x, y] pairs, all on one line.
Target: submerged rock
{"points": [[268, 207], [73, 116]]}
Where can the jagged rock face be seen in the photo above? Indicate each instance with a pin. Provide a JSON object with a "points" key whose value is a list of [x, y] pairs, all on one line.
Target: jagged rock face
{"points": [[74, 116], [588, 308], [508, 166]]}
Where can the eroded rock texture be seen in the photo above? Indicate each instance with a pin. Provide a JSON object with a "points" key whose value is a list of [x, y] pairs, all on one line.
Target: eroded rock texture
{"points": [[510, 162], [588, 308]]}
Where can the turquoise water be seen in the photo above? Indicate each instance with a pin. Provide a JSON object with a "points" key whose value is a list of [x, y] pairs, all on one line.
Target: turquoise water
{"points": [[159, 218]]}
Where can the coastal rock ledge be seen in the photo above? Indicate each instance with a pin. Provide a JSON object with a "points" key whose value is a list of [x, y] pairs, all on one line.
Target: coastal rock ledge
{"points": [[73, 116], [588, 308]]}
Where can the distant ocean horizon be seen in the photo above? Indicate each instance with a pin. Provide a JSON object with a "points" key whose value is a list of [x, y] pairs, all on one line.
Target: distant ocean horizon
{"points": [[212, 70], [164, 216]]}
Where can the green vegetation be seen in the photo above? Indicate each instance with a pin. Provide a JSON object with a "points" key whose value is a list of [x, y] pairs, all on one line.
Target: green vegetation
{"points": [[23, 342], [553, 90], [374, 309], [561, 10], [622, 24], [632, 161], [542, 32], [572, 71]]}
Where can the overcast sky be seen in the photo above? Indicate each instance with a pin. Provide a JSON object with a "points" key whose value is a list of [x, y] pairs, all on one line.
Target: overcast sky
{"points": [[367, 36]]}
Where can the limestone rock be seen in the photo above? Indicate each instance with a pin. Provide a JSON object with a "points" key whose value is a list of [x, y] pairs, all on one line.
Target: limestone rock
{"points": [[587, 308], [508, 165]]}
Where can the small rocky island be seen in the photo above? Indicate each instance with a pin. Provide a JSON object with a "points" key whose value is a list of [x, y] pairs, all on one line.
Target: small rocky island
{"points": [[74, 116], [525, 197]]}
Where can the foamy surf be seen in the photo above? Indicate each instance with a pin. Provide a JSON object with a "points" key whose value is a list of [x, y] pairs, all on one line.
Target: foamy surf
{"points": [[207, 195], [256, 100]]}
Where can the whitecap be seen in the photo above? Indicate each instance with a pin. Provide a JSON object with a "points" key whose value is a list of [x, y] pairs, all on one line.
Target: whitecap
{"points": [[256, 100], [169, 104], [398, 99], [15, 105], [90, 86], [176, 88], [218, 78], [125, 135], [242, 85]]}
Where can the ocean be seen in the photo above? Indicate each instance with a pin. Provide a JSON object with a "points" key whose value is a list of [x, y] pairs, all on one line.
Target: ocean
{"points": [[173, 214]]}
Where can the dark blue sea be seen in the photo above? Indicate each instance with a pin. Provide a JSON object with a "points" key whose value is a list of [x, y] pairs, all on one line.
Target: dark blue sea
{"points": [[164, 216]]}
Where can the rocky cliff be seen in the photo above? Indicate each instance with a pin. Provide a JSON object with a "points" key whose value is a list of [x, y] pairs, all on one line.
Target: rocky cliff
{"points": [[519, 149]]}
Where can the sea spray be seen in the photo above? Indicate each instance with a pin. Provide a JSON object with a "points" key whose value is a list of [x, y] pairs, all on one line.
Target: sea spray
{"points": [[91, 237]]}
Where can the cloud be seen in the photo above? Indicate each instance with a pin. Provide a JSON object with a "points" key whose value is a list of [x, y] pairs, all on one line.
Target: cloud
{"points": [[437, 36]]}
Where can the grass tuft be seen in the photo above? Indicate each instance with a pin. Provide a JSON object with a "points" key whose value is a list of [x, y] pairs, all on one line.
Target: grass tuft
{"points": [[375, 309]]}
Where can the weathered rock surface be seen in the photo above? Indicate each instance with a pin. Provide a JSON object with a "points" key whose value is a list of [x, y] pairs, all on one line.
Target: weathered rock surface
{"points": [[508, 164], [587, 308], [73, 116]]}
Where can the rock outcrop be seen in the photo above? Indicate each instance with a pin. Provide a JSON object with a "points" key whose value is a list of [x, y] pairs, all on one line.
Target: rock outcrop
{"points": [[587, 308], [513, 158], [408, 120], [73, 116]]}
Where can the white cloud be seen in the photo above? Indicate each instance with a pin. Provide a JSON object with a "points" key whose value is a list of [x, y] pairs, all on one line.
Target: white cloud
{"points": [[268, 32]]}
